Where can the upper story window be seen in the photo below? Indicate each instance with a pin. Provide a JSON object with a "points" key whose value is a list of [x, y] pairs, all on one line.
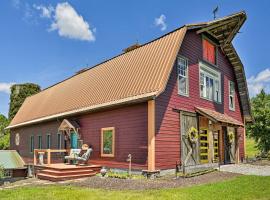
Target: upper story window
{"points": [[231, 95], [209, 51], [182, 70], [107, 142], [210, 83]]}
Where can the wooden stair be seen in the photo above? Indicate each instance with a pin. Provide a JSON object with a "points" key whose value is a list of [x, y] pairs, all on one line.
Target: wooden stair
{"points": [[68, 172]]}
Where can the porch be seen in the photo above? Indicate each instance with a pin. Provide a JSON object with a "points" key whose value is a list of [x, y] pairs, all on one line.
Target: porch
{"points": [[62, 172]]}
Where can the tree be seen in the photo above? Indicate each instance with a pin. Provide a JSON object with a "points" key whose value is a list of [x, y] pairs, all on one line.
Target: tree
{"points": [[19, 92], [4, 134], [260, 129]]}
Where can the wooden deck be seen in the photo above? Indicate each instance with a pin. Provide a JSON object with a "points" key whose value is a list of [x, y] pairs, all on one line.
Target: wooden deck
{"points": [[62, 172]]}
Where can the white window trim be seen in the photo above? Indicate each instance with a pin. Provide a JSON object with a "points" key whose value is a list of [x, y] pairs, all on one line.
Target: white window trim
{"points": [[187, 77], [8, 173], [217, 77], [231, 108]]}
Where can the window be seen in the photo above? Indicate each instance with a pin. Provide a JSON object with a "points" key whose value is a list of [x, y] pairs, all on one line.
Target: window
{"points": [[59, 140], [7, 173], [210, 87], [209, 51], [32, 144], [231, 95], [48, 141], [40, 142], [107, 142], [182, 67]]}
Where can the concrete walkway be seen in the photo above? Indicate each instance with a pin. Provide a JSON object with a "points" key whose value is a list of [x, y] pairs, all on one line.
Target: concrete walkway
{"points": [[247, 169]]}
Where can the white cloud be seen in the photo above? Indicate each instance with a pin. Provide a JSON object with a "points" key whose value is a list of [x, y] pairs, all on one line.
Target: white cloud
{"points": [[70, 24], [46, 12], [5, 87], [160, 22], [259, 82]]}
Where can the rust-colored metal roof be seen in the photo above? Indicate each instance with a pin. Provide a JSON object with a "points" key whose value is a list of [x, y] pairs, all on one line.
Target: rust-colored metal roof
{"points": [[137, 74], [218, 117]]}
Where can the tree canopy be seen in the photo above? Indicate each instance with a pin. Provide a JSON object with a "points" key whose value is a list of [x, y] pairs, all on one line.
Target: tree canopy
{"points": [[260, 129], [4, 134], [19, 92]]}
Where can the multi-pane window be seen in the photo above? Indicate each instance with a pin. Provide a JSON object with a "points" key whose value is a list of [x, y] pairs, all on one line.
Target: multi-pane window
{"points": [[210, 87], [48, 141], [209, 51], [40, 142], [59, 140], [231, 95], [32, 144], [107, 142], [7, 173], [182, 66]]}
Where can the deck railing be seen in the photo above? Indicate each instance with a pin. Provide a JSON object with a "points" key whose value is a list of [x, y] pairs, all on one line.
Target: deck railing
{"points": [[48, 151]]}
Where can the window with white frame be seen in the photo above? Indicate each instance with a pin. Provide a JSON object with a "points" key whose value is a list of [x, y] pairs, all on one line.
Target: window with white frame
{"points": [[210, 83], [7, 173], [182, 70], [231, 95]]}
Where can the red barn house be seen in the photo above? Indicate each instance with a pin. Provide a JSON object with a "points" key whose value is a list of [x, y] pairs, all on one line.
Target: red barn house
{"points": [[181, 98]]}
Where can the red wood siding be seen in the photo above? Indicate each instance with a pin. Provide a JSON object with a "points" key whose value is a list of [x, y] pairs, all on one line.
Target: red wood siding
{"points": [[130, 124], [167, 120], [130, 134]]}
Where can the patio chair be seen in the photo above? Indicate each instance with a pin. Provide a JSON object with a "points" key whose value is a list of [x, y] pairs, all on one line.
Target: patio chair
{"points": [[73, 154], [85, 157]]}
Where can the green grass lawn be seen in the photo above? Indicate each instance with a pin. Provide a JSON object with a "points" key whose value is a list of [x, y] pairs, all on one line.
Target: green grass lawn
{"points": [[243, 187], [251, 150]]}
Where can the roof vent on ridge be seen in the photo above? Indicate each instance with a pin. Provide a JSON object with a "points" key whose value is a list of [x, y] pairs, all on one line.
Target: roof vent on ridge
{"points": [[132, 47]]}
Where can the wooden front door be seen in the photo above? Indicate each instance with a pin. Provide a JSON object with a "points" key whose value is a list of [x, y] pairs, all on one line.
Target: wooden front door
{"points": [[189, 151]]}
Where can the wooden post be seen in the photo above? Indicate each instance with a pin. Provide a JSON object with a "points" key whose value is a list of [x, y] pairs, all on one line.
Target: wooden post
{"points": [[151, 135], [35, 158], [244, 138], [49, 156]]}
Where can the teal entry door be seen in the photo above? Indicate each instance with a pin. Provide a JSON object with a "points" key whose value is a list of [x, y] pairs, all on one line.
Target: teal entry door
{"points": [[73, 140]]}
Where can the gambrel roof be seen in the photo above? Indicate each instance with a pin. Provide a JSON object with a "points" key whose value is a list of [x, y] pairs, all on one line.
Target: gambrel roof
{"points": [[133, 76]]}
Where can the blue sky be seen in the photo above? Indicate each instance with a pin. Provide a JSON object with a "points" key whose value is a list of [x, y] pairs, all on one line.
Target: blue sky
{"points": [[47, 41]]}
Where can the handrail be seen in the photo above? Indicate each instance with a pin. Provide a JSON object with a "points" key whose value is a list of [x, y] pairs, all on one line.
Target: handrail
{"points": [[48, 151]]}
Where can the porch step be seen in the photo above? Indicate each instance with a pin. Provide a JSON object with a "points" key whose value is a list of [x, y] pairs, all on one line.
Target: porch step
{"points": [[61, 172], [58, 177], [66, 172]]}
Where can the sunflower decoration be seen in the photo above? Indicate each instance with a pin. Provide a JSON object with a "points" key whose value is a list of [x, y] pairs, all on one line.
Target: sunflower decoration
{"points": [[231, 136], [193, 135]]}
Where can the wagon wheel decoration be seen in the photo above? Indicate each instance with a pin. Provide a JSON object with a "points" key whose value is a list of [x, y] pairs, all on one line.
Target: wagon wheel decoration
{"points": [[231, 137], [193, 135]]}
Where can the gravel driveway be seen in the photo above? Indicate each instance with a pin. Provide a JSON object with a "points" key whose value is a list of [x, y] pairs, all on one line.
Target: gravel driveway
{"points": [[246, 169]]}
